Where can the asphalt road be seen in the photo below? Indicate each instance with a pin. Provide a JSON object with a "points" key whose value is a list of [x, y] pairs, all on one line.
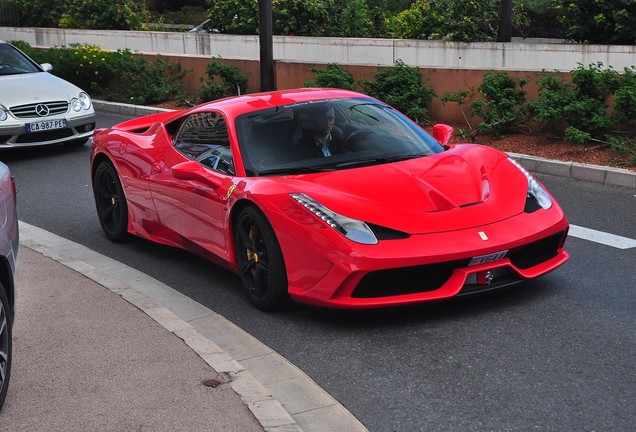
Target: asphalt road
{"points": [[555, 354]]}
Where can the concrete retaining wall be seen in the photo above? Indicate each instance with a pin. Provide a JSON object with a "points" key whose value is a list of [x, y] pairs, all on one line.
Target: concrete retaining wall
{"points": [[447, 66]]}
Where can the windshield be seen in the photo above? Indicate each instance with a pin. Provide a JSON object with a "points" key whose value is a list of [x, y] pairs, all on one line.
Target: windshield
{"points": [[13, 62], [328, 135]]}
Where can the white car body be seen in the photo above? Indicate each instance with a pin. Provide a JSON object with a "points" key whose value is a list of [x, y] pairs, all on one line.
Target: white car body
{"points": [[39, 108]]}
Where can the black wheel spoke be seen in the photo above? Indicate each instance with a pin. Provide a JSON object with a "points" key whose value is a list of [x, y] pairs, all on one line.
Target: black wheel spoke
{"points": [[247, 267], [108, 214]]}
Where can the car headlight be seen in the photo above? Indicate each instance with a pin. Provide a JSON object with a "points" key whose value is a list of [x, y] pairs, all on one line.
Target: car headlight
{"points": [[353, 229], [81, 102], [85, 101], [76, 105], [3, 115], [535, 190]]}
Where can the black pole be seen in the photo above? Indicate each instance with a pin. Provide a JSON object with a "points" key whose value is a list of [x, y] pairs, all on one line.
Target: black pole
{"points": [[267, 50], [505, 21]]}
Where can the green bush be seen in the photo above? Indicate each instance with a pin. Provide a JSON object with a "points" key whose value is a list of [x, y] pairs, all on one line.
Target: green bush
{"points": [[625, 98], [504, 104], [295, 17], [137, 80], [554, 96], [599, 21], [624, 146], [104, 14], [455, 20], [332, 77], [583, 104], [540, 19], [221, 80], [401, 86]]}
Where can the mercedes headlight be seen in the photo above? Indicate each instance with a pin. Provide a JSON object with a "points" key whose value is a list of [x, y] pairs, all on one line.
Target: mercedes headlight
{"points": [[3, 115], [85, 101], [535, 190], [353, 229], [81, 102]]}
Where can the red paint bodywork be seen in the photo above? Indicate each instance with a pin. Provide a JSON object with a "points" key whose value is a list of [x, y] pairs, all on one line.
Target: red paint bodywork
{"points": [[447, 202]]}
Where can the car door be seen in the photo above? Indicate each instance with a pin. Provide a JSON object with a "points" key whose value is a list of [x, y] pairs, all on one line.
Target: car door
{"points": [[192, 184]]}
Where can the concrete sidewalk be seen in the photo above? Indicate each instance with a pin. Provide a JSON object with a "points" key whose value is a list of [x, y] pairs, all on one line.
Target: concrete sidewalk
{"points": [[101, 346], [87, 360]]}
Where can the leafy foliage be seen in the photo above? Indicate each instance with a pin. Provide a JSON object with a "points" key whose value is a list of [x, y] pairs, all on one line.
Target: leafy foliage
{"points": [[538, 19], [332, 77], [221, 80], [456, 20], [625, 98], [584, 105], [624, 146], [103, 14], [295, 17], [401, 86], [599, 21], [504, 104], [33, 13]]}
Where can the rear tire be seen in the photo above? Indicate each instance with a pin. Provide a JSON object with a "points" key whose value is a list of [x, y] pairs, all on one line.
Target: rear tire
{"points": [[6, 343], [112, 209], [260, 261]]}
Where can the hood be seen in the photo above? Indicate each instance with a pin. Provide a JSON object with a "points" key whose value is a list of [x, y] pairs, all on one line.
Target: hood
{"points": [[463, 187], [35, 87]]}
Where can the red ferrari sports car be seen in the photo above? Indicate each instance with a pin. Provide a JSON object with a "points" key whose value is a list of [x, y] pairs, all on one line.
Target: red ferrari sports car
{"points": [[326, 197]]}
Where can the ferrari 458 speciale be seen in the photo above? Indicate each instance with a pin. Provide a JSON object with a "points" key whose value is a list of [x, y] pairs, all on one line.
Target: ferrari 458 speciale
{"points": [[327, 197]]}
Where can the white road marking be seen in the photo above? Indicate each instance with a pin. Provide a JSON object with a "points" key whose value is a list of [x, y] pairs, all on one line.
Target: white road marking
{"points": [[602, 237]]}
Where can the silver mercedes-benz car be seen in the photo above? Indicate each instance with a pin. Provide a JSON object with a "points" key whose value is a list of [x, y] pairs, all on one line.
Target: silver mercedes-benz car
{"points": [[8, 258], [38, 108]]}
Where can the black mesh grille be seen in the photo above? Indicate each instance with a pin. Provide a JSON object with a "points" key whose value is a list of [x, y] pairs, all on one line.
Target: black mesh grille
{"points": [[535, 253], [32, 110], [407, 280]]}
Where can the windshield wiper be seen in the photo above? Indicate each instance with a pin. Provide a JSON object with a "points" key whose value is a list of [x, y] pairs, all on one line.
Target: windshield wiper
{"points": [[378, 160], [293, 170]]}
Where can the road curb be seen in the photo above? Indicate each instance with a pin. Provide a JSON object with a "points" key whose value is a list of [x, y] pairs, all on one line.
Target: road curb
{"points": [[281, 397], [591, 173]]}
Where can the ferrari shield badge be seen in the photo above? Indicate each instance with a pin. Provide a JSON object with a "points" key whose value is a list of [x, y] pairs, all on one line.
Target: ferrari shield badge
{"points": [[229, 191]]}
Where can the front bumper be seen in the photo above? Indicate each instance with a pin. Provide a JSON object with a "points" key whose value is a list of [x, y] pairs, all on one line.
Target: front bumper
{"points": [[433, 266], [78, 128]]}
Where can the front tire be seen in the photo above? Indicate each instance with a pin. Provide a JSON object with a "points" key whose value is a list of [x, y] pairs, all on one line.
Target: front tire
{"points": [[260, 261], [112, 209], [6, 343]]}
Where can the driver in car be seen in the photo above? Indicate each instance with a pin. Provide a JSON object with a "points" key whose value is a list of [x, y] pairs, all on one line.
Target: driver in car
{"points": [[325, 139]]}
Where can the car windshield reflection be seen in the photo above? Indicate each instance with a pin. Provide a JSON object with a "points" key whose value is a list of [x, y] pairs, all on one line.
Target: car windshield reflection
{"points": [[328, 135]]}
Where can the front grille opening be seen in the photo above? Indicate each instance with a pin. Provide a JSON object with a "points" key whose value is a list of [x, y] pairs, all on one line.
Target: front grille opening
{"points": [[535, 253], [407, 280], [44, 136]]}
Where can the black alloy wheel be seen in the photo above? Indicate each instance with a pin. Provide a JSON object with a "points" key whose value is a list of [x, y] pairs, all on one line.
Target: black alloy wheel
{"points": [[260, 261], [112, 209], [6, 324]]}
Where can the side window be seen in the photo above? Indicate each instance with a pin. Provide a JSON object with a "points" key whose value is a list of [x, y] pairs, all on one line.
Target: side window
{"points": [[203, 137]]}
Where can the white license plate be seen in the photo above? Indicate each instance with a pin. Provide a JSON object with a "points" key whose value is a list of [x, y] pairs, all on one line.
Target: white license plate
{"points": [[483, 259], [46, 125]]}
